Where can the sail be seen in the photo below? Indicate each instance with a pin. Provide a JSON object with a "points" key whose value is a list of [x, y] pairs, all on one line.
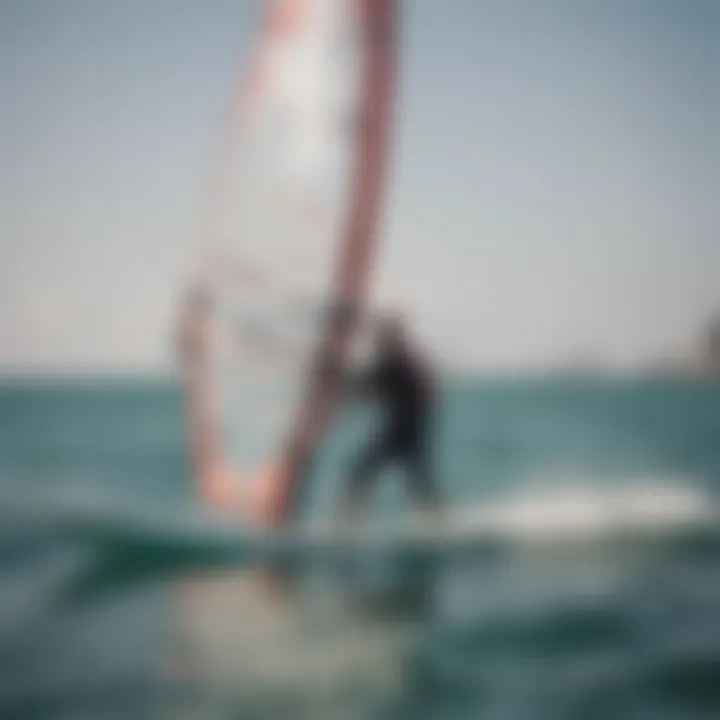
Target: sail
{"points": [[284, 262]]}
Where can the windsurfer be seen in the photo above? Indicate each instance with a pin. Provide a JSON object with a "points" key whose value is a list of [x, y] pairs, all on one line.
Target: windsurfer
{"points": [[402, 384]]}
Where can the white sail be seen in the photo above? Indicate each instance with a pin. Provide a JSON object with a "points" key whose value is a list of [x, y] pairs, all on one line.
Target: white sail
{"points": [[289, 241]]}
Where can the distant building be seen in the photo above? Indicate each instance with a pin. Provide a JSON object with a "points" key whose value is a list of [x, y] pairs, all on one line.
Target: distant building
{"points": [[709, 351], [701, 360]]}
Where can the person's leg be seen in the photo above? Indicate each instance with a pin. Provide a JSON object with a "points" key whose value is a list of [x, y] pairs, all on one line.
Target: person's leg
{"points": [[421, 477], [363, 474]]}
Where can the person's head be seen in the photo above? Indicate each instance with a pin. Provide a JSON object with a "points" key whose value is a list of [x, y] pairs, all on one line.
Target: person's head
{"points": [[390, 335]]}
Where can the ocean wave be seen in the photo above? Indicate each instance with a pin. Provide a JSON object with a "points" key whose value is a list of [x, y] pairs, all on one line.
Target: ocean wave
{"points": [[653, 513]]}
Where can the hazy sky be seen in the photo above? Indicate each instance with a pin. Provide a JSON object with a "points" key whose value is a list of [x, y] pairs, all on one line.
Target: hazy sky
{"points": [[554, 191]]}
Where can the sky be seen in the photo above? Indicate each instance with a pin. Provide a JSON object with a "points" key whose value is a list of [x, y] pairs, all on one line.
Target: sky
{"points": [[553, 188]]}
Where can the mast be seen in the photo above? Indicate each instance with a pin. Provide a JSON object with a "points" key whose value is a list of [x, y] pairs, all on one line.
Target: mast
{"points": [[357, 251]]}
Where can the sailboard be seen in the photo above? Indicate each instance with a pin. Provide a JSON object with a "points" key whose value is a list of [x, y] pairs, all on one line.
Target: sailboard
{"points": [[666, 518], [281, 275]]}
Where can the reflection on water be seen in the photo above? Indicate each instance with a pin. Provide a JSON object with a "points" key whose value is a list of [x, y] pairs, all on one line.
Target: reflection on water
{"points": [[259, 643], [557, 631]]}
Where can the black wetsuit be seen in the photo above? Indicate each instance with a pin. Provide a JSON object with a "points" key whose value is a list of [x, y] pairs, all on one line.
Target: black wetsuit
{"points": [[405, 391]]}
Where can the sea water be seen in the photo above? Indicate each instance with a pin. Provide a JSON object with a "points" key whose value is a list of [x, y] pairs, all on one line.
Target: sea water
{"points": [[602, 601]]}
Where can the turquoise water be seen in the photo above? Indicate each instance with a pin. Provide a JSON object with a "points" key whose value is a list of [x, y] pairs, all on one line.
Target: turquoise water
{"points": [[601, 601]]}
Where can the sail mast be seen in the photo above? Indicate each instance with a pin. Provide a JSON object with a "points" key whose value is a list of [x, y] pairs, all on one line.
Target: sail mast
{"points": [[357, 248]]}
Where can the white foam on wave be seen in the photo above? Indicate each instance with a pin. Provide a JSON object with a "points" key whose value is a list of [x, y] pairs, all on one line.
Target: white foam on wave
{"points": [[586, 509]]}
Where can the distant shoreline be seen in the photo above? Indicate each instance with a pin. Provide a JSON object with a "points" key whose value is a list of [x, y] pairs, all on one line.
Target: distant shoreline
{"points": [[81, 377]]}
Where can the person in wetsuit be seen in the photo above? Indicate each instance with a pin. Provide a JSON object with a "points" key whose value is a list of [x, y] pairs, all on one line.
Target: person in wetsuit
{"points": [[401, 383]]}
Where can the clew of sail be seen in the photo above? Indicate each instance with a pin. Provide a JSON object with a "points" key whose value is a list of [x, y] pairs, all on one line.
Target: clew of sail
{"points": [[283, 266]]}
